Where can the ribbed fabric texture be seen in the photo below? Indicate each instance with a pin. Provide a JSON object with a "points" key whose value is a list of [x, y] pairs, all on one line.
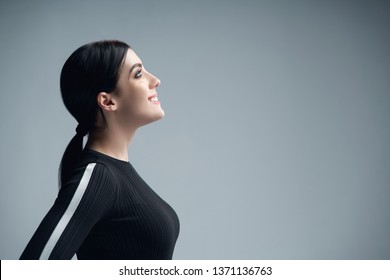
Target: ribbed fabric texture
{"points": [[118, 216]]}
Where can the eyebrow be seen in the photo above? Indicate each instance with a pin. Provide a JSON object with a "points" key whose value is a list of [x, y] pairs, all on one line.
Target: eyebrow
{"points": [[135, 65]]}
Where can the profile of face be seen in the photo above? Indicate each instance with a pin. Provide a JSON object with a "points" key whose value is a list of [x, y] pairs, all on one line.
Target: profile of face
{"points": [[134, 102]]}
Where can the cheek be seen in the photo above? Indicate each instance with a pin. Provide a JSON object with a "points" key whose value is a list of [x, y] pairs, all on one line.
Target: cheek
{"points": [[134, 103], [135, 107]]}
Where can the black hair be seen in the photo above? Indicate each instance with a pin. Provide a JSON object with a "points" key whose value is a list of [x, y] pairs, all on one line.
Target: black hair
{"points": [[92, 68]]}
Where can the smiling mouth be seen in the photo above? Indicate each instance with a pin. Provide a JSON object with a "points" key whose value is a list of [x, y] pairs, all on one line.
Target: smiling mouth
{"points": [[153, 99]]}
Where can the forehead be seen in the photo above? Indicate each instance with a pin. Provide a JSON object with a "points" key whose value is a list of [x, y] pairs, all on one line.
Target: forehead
{"points": [[131, 59]]}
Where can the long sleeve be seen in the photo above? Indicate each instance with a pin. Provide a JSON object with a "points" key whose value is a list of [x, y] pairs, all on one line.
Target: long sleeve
{"points": [[81, 203]]}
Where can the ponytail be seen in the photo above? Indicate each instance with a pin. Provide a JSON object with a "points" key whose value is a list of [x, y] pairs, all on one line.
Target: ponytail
{"points": [[71, 156]]}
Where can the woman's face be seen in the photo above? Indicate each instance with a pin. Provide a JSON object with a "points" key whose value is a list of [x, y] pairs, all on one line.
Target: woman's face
{"points": [[136, 93]]}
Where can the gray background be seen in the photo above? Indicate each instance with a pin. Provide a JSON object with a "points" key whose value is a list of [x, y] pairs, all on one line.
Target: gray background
{"points": [[275, 143]]}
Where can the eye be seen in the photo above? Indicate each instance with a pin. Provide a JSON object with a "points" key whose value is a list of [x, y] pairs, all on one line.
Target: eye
{"points": [[138, 74]]}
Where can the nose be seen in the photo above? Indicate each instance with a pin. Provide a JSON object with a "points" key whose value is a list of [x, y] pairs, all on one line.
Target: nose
{"points": [[154, 82]]}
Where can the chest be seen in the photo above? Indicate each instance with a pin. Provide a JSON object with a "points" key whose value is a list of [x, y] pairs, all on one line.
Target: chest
{"points": [[142, 211]]}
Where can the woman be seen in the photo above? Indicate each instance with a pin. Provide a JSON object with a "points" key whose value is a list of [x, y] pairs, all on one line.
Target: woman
{"points": [[104, 210]]}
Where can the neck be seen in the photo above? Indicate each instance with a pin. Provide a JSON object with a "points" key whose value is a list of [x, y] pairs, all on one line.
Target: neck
{"points": [[112, 142]]}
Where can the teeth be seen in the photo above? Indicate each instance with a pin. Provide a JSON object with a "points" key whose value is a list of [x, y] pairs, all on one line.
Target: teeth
{"points": [[154, 99]]}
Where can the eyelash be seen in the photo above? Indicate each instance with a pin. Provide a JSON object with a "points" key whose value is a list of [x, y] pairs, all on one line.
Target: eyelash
{"points": [[138, 74]]}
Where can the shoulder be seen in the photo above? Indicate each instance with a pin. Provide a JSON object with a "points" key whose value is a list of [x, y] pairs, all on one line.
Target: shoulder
{"points": [[96, 162], [91, 185], [92, 174]]}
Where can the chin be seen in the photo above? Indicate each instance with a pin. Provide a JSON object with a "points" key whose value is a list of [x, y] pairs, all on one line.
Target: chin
{"points": [[160, 115], [155, 117]]}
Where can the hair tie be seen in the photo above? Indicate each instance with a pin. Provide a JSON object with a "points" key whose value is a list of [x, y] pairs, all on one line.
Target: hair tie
{"points": [[81, 130]]}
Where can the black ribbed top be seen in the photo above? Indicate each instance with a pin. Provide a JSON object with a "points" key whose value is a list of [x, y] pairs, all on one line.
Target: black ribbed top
{"points": [[105, 211]]}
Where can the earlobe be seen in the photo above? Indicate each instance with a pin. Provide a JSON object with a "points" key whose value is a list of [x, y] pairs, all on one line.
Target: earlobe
{"points": [[106, 101]]}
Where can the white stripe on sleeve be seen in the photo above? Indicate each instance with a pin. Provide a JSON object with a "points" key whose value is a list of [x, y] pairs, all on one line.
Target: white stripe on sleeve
{"points": [[78, 195]]}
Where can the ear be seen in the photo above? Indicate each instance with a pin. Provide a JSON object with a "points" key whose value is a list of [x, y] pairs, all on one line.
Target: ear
{"points": [[107, 101]]}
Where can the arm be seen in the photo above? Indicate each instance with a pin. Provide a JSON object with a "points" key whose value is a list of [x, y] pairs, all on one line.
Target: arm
{"points": [[80, 204]]}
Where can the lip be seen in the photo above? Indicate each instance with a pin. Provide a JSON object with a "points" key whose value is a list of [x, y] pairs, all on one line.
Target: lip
{"points": [[153, 95]]}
